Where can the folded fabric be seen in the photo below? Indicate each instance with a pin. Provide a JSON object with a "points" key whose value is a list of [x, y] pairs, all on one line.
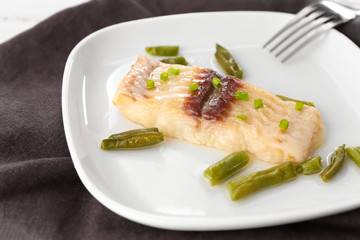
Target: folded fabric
{"points": [[41, 196]]}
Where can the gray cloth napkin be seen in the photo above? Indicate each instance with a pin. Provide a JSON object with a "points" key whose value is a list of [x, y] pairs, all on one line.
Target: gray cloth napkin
{"points": [[41, 196]]}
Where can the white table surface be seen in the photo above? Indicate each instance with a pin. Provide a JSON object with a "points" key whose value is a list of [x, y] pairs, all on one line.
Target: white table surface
{"points": [[17, 16]]}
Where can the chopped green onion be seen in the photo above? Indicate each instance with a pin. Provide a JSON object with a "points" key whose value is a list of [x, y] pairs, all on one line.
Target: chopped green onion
{"points": [[258, 103], [242, 117], [174, 71], [150, 84], [284, 124], [193, 86], [299, 106], [164, 76], [216, 82], [241, 95]]}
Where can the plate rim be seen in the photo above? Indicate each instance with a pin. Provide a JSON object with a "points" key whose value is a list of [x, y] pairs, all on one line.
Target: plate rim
{"points": [[179, 222]]}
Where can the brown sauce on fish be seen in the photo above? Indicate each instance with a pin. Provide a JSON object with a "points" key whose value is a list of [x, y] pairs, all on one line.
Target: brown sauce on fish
{"points": [[210, 102]]}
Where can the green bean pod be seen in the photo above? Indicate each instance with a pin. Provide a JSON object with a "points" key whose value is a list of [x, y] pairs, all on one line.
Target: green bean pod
{"points": [[260, 180], [294, 100], [227, 62], [312, 165], [162, 50], [134, 131], [336, 161], [226, 167], [354, 154], [132, 141], [175, 60]]}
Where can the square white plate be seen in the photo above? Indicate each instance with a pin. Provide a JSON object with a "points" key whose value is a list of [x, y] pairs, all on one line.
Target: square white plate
{"points": [[164, 186]]}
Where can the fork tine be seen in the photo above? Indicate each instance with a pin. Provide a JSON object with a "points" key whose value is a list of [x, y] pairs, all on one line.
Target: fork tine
{"points": [[305, 11], [310, 22], [327, 27], [308, 19], [319, 22]]}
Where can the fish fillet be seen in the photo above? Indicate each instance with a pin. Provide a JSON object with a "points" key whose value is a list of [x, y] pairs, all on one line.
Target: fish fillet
{"points": [[208, 116]]}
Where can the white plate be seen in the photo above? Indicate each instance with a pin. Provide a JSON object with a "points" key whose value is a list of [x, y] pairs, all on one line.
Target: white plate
{"points": [[164, 186]]}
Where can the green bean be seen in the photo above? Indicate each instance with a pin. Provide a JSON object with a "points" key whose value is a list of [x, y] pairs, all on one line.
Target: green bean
{"points": [[354, 154], [227, 62], [336, 161], [257, 181], [226, 167], [162, 50], [132, 141], [175, 60], [130, 132], [312, 165], [294, 100]]}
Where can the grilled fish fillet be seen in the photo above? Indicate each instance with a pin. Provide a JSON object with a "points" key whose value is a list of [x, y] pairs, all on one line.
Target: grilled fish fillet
{"points": [[208, 116]]}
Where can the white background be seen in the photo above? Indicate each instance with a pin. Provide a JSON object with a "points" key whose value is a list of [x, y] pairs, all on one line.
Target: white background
{"points": [[17, 16]]}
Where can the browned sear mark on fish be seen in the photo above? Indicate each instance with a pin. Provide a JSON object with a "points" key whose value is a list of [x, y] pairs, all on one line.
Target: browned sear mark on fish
{"points": [[195, 102], [210, 102], [219, 102]]}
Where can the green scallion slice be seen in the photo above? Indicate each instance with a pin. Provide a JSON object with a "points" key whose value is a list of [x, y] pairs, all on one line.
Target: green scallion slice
{"points": [[241, 95], [299, 106], [164, 76], [193, 86], [242, 117], [284, 124], [258, 103], [150, 84], [216, 82], [174, 71]]}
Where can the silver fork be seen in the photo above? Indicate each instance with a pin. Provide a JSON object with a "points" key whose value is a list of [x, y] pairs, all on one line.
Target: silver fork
{"points": [[307, 24]]}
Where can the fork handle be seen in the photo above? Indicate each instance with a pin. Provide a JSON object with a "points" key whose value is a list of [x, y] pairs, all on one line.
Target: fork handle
{"points": [[352, 4]]}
